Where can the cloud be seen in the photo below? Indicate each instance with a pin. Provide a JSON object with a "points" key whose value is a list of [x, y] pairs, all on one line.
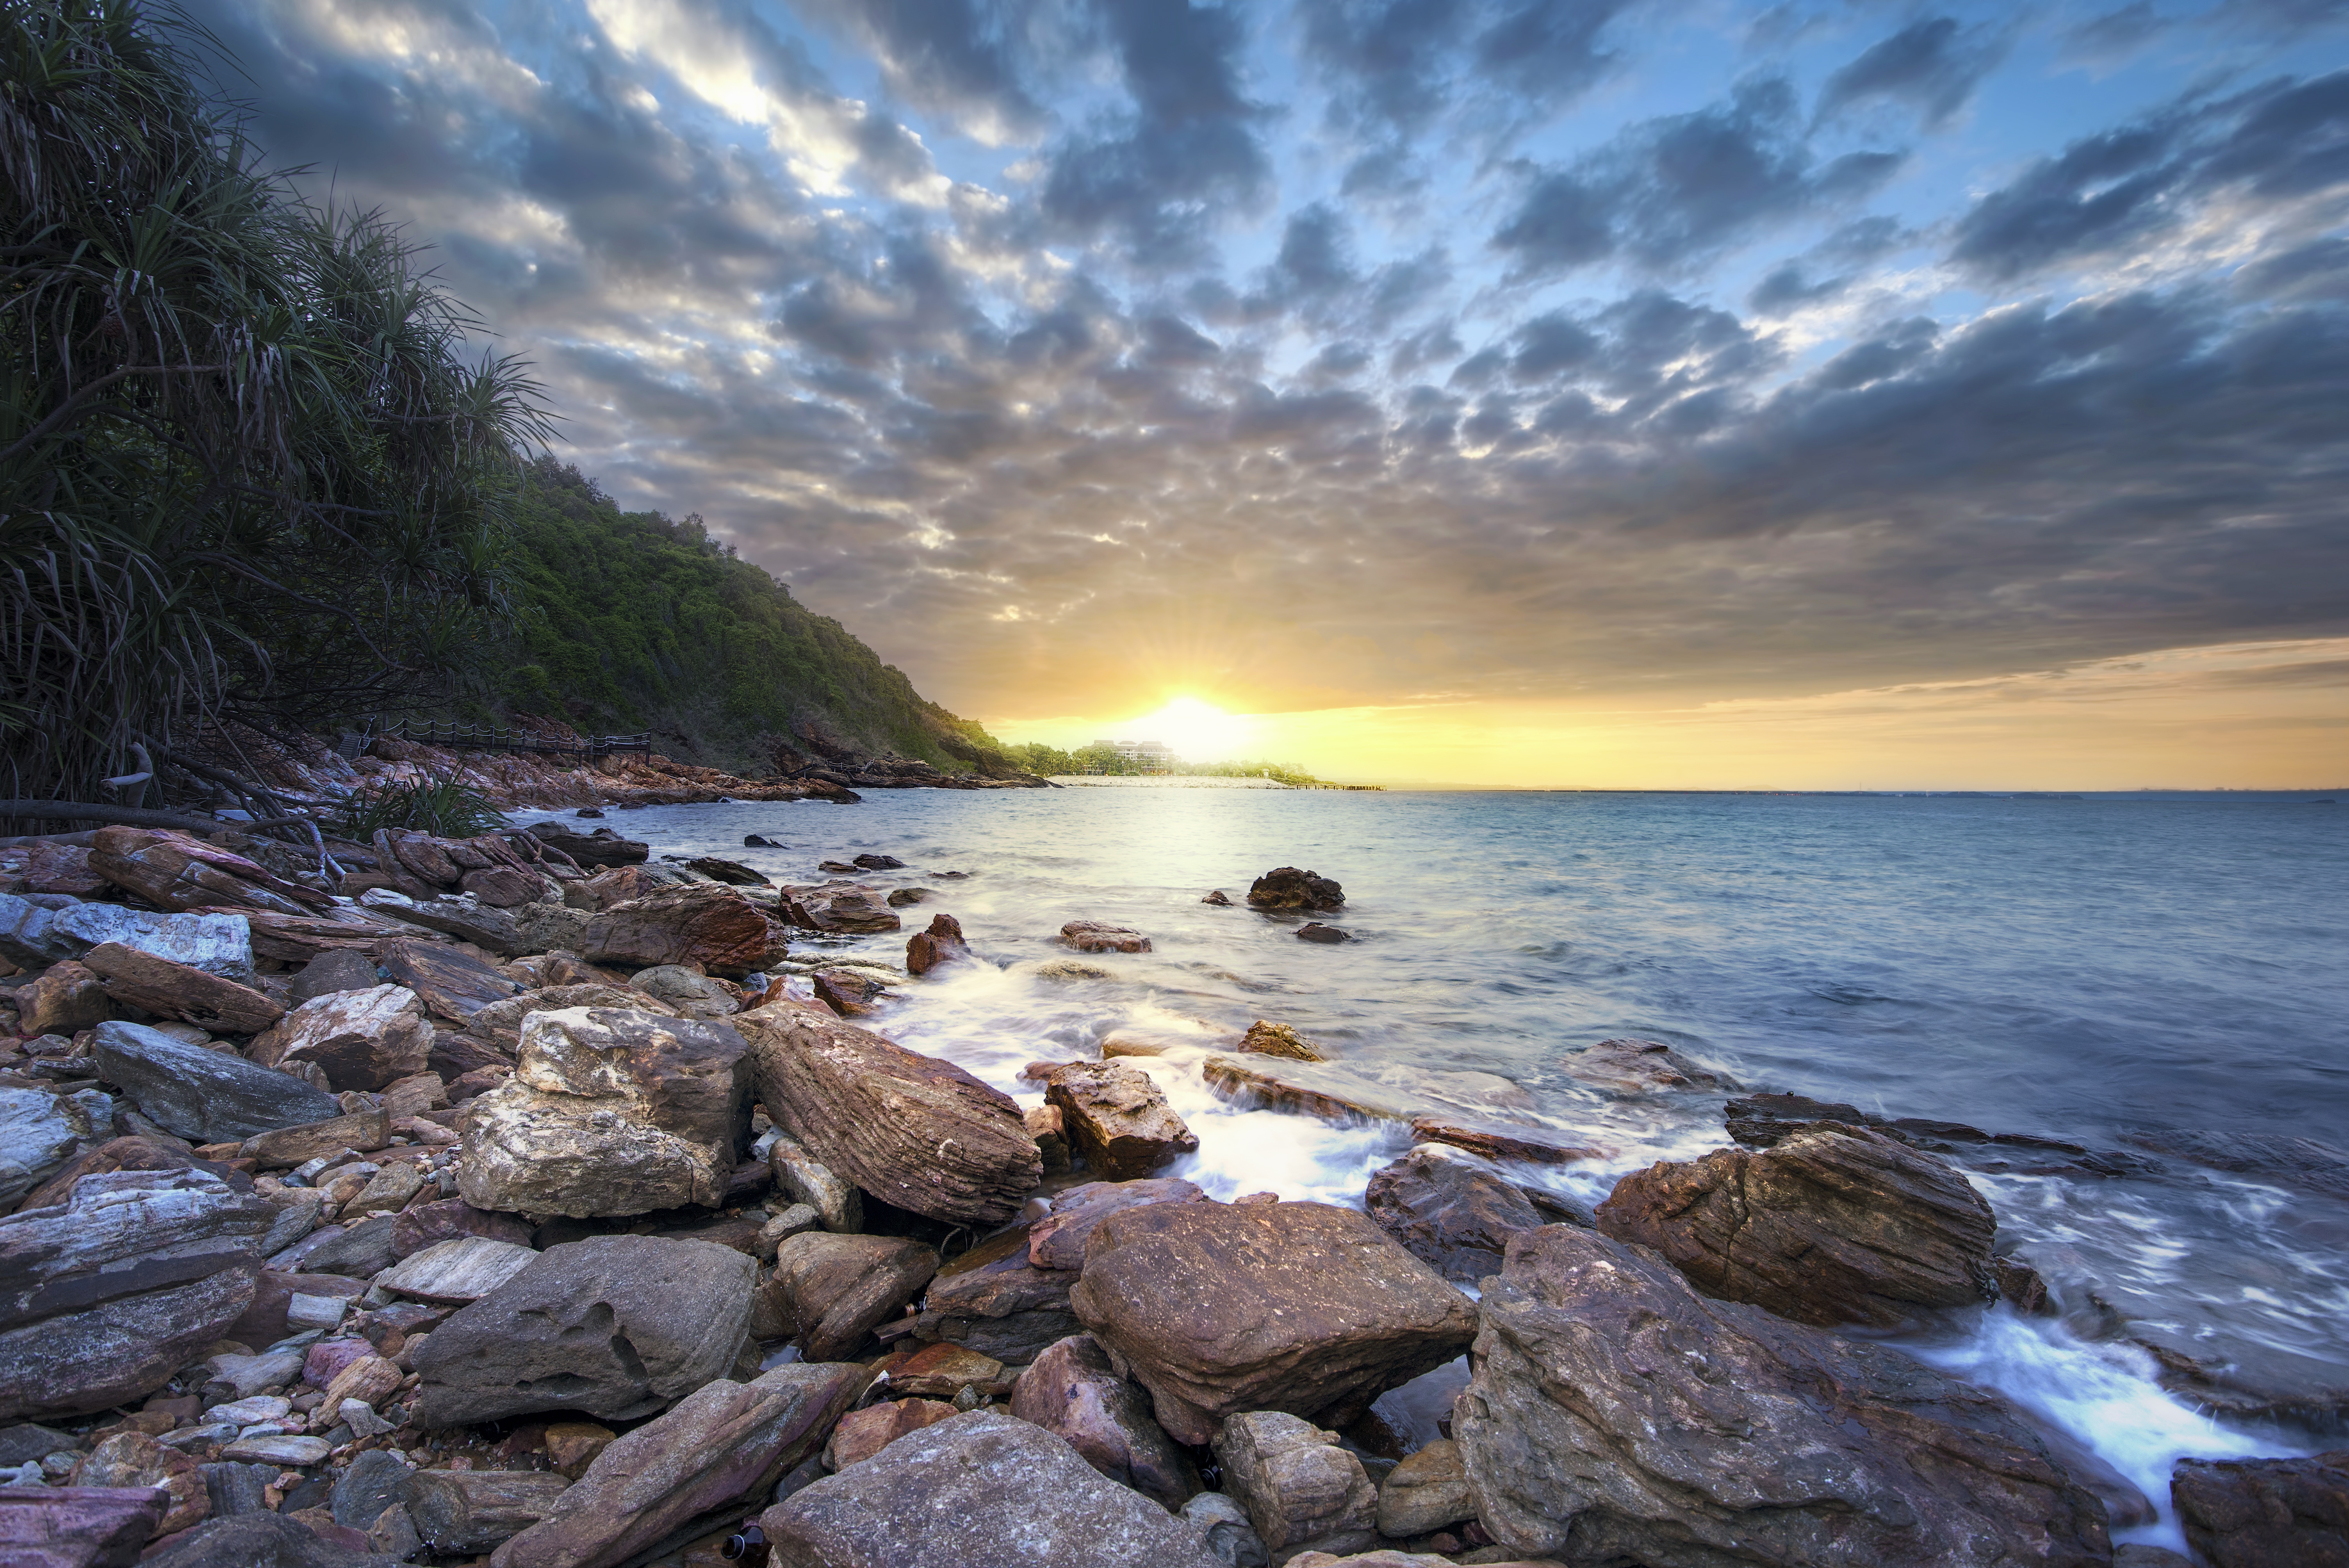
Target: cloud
{"points": [[1673, 192], [960, 59], [1933, 65]]}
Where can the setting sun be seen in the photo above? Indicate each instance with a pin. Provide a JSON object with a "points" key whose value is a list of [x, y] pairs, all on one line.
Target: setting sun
{"points": [[1197, 731]]}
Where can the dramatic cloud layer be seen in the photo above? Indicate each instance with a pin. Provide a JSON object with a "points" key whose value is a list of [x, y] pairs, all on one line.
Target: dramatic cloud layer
{"points": [[1373, 354]]}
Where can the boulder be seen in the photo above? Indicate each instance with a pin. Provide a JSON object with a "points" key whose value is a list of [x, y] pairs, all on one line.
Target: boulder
{"points": [[847, 992], [1218, 1308], [663, 1481], [453, 985], [839, 907], [991, 1299], [601, 848], [1343, 1095], [687, 992], [910, 1130], [338, 969], [1502, 1139], [1058, 1240], [979, 1490], [943, 942], [455, 1271], [834, 1289], [1833, 1225], [1426, 1491], [33, 935], [734, 873], [707, 923], [179, 990], [360, 1039], [421, 1225], [620, 885], [1285, 888], [1641, 1066], [1117, 1120], [485, 925], [1071, 1391], [500, 1022], [1099, 936], [617, 1326], [38, 1133], [135, 1459], [504, 887], [178, 870], [1265, 1039], [1614, 1415], [1301, 1491], [2265, 1513], [954, 1373], [362, 1250], [1450, 1208], [66, 998], [610, 1111], [802, 1178], [78, 1526], [463, 1512], [863, 1433], [288, 1147], [874, 862]]}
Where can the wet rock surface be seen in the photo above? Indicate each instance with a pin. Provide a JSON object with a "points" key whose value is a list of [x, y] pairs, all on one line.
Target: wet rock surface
{"points": [[1101, 936], [1287, 888], [1219, 1309], [1117, 1120], [940, 944], [1616, 1414], [1834, 1224], [1641, 1066], [1450, 1208], [2265, 1513]]}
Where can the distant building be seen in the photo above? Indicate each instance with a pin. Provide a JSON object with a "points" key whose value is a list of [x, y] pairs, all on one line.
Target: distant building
{"points": [[1150, 754]]}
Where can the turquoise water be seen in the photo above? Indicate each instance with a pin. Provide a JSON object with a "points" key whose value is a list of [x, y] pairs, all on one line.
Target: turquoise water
{"points": [[2097, 970]]}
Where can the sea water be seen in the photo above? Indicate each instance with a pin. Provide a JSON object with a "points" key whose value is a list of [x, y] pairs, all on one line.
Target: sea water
{"points": [[2097, 970]]}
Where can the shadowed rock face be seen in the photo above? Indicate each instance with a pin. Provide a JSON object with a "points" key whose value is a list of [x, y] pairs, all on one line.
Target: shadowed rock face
{"points": [[2266, 1514], [1617, 1416], [1448, 1209], [1218, 1308], [1072, 1390], [1835, 1225]]}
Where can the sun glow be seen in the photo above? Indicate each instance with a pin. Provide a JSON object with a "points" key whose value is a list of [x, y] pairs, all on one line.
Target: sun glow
{"points": [[1197, 731]]}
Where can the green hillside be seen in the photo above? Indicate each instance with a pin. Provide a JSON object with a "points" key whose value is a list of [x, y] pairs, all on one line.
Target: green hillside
{"points": [[631, 621]]}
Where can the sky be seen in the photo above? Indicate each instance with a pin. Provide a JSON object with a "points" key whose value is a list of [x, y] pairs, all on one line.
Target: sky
{"points": [[1826, 394]]}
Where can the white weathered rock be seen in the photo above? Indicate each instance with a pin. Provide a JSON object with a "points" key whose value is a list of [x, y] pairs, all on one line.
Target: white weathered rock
{"points": [[454, 1272], [361, 1039], [217, 944], [839, 1206]]}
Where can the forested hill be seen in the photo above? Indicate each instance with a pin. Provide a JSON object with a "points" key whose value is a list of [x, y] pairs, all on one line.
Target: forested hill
{"points": [[633, 620]]}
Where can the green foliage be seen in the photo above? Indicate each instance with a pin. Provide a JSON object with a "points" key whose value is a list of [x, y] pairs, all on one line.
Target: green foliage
{"points": [[635, 621], [1038, 757], [247, 473], [445, 807]]}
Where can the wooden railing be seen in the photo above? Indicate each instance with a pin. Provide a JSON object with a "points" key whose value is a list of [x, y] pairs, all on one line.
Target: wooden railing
{"points": [[490, 738]]}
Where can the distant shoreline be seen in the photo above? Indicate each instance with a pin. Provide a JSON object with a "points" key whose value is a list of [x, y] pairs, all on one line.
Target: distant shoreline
{"points": [[1162, 781]]}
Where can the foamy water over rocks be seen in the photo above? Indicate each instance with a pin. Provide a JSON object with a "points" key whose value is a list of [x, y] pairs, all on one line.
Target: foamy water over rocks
{"points": [[2139, 999]]}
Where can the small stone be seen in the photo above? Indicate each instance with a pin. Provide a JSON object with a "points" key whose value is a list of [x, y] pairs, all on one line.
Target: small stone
{"points": [[1099, 936], [280, 1449], [1314, 931], [572, 1446], [863, 1433]]}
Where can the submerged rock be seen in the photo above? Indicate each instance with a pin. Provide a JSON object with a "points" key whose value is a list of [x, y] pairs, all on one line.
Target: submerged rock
{"points": [[1641, 1066], [1265, 1038], [1832, 1225], [1617, 1416], [2265, 1513], [1288, 888], [1101, 936]]}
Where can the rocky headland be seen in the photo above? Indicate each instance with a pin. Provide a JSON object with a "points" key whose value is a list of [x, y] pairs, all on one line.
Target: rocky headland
{"points": [[526, 1200]]}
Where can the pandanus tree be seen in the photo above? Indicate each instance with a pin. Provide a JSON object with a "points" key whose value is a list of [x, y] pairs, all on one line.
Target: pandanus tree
{"points": [[254, 470]]}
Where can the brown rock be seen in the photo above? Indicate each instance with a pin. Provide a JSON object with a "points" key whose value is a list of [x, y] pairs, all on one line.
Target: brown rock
{"points": [[360, 1039], [452, 984], [926, 950], [1501, 1140], [179, 991], [464, 1512], [1287, 888], [1450, 1208], [910, 1130], [1058, 1240], [833, 1289], [174, 869], [1099, 936], [1616, 1416], [1265, 1039], [839, 907], [1047, 1127], [1428, 1490], [942, 1371], [504, 887], [572, 1446], [1118, 1120], [74, 1526], [846, 992], [1641, 1066], [992, 1300], [1302, 1492], [1218, 1308], [66, 999], [707, 923], [863, 1433], [1072, 1390], [621, 885], [136, 1459], [1833, 1225], [2265, 1513], [363, 1131]]}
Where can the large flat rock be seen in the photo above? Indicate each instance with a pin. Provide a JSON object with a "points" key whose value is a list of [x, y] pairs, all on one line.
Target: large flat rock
{"points": [[204, 1095]]}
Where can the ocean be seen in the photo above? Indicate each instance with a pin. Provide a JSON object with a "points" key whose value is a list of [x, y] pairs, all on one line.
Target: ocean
{"points": [[2123, 972]]}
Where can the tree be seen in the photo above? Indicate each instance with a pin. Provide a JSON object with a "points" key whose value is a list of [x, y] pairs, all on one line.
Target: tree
{"points": [[251, 474]]}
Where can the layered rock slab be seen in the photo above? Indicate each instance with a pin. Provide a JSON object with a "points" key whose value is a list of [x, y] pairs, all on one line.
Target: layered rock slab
{"points": [[1615, 1415], [979, 1490], [912, 1130], [1834, 1225], [1218, 1308], [204, 1095], [617, 1326], [1117, 1120], [363, 1039], [610, 1111]]}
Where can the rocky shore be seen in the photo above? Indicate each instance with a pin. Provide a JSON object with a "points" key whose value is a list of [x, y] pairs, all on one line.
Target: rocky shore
{"points": [[525, 1199]]}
